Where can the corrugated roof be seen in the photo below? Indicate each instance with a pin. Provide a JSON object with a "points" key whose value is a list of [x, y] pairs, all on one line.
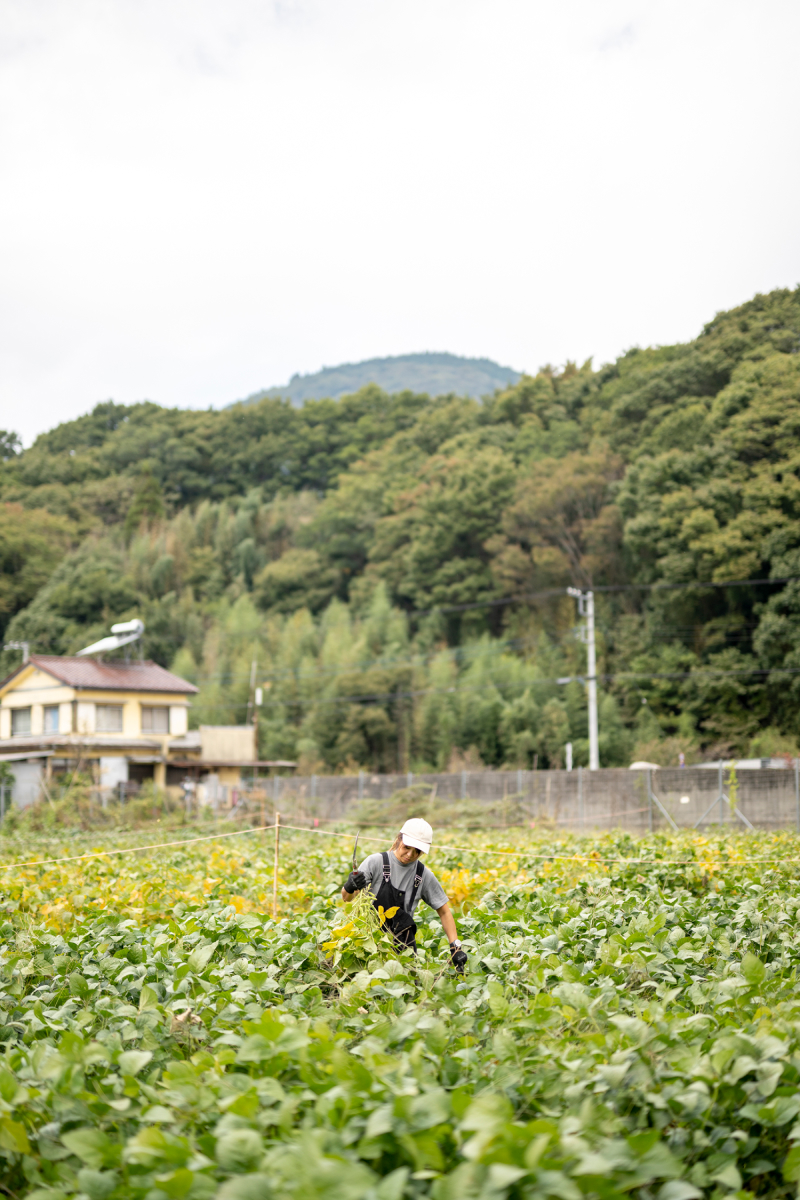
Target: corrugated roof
{"points": [[111, 676]]}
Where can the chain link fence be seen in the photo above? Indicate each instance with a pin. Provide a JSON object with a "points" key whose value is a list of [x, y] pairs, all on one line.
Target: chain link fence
{"points": [[578, 800]]}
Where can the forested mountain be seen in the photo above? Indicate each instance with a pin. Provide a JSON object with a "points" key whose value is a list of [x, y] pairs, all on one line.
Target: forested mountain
{"points": [[362, 551], [435, 374]]}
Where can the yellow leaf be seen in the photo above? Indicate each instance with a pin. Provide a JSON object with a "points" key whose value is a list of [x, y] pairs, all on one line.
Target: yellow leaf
{"points": [[329, 945], [392, 912], [13, 1136], [343, 930]]}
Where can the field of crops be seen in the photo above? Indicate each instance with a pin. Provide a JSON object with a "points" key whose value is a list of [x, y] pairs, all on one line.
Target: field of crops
{"points": [[629, 1023]]}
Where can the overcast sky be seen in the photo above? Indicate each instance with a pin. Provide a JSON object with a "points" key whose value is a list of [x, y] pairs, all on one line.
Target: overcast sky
{"points": [[200, 197]]}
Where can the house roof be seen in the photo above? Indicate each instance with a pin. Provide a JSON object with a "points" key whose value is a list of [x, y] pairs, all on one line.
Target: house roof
{"points": [[109, 676]]}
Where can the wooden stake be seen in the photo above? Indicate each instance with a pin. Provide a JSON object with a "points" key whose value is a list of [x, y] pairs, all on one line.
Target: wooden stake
{"points": [[275, 866]]}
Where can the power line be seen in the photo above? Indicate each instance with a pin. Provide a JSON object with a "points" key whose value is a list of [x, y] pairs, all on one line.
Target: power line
{"points": [[497, 647], [562, 680], [289, 677], [551, 593], [466, 652]]}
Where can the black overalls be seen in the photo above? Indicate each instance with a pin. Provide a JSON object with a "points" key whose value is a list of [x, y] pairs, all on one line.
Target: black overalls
{"points": [[401, 925]]}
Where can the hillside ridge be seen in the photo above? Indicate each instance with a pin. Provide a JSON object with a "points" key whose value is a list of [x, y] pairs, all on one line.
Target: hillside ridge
{"points": [[436, 373]]}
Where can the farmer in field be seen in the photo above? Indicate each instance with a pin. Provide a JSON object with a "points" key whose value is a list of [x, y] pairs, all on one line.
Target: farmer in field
{"points": [[399, 879]]}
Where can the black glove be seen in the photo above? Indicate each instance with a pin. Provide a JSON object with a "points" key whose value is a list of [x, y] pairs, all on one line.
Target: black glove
{"points": [[459, 960], [355, 881]]}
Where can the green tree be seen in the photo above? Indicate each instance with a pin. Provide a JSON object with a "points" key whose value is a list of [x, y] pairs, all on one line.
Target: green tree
{"points": [[85, 593], [554, 733], [32, 543], [562, 527], [10, 445], [299, 579], [147, 503], [431, 549]]}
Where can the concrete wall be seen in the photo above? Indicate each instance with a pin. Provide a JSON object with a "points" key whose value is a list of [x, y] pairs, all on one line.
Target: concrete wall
{"points": [[27, 786], [227, 743]]}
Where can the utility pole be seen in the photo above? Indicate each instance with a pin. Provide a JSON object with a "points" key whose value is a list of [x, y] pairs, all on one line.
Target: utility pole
{"points": [[259, 700], [253, 701], [250, 695], [586, 609]]}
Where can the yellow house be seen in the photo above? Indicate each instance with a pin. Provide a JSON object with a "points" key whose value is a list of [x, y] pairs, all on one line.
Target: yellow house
{"points": [[121, 718], [123, 721]]}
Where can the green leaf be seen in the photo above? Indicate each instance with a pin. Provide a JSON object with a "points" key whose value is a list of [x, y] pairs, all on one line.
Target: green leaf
{"points": [[148, 998], [178, 1183], [679, 1189], [381, 1120], [152, 1145], [249, 921], [239, 1150], [575, 995], [729, 1176], [158, 1114], [199, 958], [392, 1186], [91, 1146], [429, 1109], [489, 1110], [96, 1184], [593, 1163], [791, 1167], [640, 1143], [503, 1175], [488, 1115], [759, 1166], [78, 985], [245, 1105], [8, 1085], [753, 969], [131, 1062], [247, 1187], [255, 1049], [613, 1073]]}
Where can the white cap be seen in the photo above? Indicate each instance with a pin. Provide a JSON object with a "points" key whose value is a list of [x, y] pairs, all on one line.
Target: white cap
{"points": [[417, 833]]}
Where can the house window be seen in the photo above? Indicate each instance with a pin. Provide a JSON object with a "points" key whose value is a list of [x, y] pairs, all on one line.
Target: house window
{"points": [[20, 721], [51, 718], [155, 720], [108, 718]]}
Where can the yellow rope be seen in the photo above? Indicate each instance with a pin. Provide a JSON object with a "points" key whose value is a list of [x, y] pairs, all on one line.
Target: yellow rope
{"points": [[211, 837], [591, 858], [653, 862]]}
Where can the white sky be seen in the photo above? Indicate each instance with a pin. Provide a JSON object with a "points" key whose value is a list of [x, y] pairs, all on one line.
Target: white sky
{"points": [[200, 197]]}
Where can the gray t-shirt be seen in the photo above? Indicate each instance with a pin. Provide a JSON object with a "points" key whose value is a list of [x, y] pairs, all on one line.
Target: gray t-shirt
{"points": [[402, 877]]}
